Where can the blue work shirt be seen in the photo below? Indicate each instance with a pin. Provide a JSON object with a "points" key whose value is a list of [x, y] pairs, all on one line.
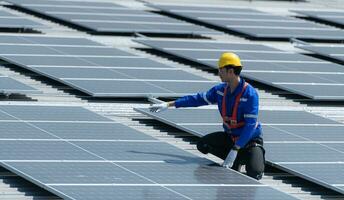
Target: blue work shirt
{"points": [[247, 109]]}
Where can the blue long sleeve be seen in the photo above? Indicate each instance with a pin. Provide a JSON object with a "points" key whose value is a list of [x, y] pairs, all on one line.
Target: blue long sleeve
{"points": [[199, 99]]}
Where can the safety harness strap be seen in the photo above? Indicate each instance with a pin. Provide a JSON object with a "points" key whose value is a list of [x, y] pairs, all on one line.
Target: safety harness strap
{"points": [[232, 122]]}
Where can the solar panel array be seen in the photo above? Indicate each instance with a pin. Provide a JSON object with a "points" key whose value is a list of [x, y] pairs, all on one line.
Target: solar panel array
{"points": [[9, 20], [12, 86], [253, 23], [105, 18], [303, 75], [331, 51], [77, 154], [98, 70], [302, 143], [333, 17]]}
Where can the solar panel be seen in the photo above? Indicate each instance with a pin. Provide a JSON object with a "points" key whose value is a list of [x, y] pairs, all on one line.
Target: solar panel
{"points": [[333, 17], [331, 176], [9, 20], [101, 73], [99, 70], [75, 154], [39, 40], [86, 131], [65, 51], [86, 62], [136, 88], [253, 23], [104, 18], [202, 118], [151, 192], [297, 73], [294, 140], [330, 51], [81, 173], [304, 132], [326, 92], [38, 150], [51, 113], [304, 152], [299, 78], [11, 86]]}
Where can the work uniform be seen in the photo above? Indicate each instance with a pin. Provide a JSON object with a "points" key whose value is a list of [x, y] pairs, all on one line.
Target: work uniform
{"points": [[240, 124]]}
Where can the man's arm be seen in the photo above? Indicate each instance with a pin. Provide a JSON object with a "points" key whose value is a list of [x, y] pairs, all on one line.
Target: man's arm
{"points": [[198, 99]]}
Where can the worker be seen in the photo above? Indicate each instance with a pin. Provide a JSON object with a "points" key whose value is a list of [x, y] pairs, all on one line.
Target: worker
{"points": [[241, 142]]}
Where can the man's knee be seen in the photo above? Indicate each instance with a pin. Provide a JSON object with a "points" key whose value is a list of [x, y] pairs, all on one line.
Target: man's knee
{"points": [[256, 162]]}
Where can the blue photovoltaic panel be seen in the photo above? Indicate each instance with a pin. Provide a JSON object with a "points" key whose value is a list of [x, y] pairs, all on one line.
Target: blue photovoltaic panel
{"points": [[253, 23], [302, 153], [137, 151], [39, 40], [157, 192], [87, 156], [105, 18], [190, 172], [102, 73], [89, 131], [91, 62], [297, 141], [42, 150], [203, 119], [11, 86], [330, 51], [9, 20], [99, 70], [335, 17], [334, 174], [82, 173], [138, 88], [51, 113], [297, 73]]}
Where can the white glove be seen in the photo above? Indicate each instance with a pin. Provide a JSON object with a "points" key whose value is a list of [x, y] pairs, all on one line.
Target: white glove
{"points": [[158, 107], [228, 163]]}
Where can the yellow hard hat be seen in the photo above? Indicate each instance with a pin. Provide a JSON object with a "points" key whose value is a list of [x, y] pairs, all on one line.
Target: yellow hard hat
{"points": [[229, 59]]}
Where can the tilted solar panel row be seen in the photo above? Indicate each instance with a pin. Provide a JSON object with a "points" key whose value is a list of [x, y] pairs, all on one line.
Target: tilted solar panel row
{"points": [[109, 18], [302, 143], [77, 154], [304, 75], [335, 17], [98, 70], [11, 86], [253, 23], [335, 52], [10, 22]]}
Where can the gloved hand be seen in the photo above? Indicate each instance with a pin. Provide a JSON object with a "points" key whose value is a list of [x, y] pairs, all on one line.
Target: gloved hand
{"points": [[229, 161], [158, 107]]}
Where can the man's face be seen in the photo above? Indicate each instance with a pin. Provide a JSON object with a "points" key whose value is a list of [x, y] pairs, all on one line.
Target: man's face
{"points": [[225, 74]]}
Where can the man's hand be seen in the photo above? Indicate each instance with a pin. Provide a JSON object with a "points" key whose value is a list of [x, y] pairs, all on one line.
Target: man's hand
{"points": [[229, 161], [158, 107]]}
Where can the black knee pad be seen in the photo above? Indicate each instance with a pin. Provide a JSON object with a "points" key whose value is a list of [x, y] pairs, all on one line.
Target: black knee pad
{"points": [[202, 147]]}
